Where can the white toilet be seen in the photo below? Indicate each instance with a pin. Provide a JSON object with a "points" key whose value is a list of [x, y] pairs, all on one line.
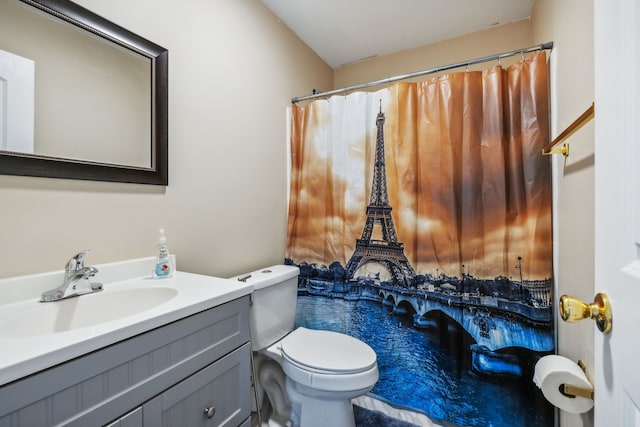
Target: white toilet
{"points": [[309, 376]]}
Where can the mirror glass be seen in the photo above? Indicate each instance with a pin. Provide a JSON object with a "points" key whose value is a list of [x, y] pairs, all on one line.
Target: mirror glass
{"points": [[80, 97]]}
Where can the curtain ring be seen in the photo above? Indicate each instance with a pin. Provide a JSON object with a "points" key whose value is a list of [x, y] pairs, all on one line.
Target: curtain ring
{"points": [[522, 52], [466, 70]]}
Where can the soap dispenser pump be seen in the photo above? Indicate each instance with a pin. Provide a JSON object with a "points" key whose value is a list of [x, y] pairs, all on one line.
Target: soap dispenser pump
{"points": [[164, 262]]}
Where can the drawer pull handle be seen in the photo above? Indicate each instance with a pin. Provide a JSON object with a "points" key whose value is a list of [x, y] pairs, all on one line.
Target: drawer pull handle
{"points": [[210, 411]]}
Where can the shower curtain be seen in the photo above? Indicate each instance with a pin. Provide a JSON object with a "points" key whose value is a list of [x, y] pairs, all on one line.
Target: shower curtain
{"points": [[420, 218]]}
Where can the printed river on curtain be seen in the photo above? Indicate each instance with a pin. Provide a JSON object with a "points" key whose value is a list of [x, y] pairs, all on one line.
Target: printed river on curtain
{"points": [[420, 218]]}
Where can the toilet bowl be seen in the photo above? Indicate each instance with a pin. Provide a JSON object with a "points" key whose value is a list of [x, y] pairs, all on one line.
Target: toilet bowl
{"points": [[308, 375]]}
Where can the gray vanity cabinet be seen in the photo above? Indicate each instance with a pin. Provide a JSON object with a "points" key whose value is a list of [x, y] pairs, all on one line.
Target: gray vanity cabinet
{"points": [[168, 376]]}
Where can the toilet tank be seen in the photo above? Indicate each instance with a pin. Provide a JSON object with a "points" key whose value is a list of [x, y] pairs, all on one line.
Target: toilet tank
{"points": [[273, 303]]}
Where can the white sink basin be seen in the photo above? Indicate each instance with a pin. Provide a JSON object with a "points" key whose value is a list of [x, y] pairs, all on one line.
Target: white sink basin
{"points": [[40, 318]]}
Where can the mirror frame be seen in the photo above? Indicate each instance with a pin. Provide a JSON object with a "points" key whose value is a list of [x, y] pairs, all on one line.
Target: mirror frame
{"points": [[12, 163]]}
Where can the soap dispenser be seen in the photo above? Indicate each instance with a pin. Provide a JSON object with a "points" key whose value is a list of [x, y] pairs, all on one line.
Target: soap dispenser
{"points": [[164, 263]]}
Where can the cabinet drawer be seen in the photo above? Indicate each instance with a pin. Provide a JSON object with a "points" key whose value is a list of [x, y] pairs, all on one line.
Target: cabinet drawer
{"points": [[222, 387]]}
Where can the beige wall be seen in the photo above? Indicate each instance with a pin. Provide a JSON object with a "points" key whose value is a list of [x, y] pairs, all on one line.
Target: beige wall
{"points": [[569, 23], [503, 38], [233, 68]]}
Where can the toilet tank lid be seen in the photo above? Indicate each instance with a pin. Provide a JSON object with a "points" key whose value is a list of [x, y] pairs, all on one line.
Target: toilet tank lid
{"points": [[268, 276]]}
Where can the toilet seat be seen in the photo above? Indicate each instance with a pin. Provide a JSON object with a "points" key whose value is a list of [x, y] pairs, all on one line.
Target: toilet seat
{"points": [[328, 361], [327, 352]]}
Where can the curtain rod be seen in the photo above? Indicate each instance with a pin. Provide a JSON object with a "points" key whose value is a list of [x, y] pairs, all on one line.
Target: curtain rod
{"points": [[544, 46]]}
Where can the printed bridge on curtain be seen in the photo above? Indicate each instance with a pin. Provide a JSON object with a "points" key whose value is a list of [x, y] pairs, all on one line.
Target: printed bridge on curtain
{"points": [[493, 323], [379, 241]]}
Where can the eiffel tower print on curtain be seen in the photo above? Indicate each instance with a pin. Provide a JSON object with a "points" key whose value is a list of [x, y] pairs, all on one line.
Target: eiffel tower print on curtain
{"points": [[379, 240]]}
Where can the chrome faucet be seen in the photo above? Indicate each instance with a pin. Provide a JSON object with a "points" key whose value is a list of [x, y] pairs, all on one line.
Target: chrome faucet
{"points": [[76, 280]]}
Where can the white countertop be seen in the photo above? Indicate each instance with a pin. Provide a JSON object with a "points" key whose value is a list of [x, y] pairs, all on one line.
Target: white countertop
{"points": [[24, 355]]}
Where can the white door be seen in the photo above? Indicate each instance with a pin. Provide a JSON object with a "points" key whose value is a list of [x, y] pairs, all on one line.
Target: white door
{"points": [[617, 210], [17, 89]]}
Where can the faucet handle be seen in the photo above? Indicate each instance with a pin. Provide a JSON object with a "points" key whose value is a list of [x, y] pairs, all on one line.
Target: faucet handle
{"points": [[76, 262]]}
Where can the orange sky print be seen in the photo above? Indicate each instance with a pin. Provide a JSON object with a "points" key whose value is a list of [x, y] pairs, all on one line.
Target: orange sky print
{"points": [[464, 171]]}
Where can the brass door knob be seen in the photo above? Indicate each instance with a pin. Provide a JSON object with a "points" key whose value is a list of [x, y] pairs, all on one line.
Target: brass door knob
{"points": [[573, 309]]}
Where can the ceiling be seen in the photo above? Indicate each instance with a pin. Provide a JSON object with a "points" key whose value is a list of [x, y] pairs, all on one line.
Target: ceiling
{"points": [[347, 31]]}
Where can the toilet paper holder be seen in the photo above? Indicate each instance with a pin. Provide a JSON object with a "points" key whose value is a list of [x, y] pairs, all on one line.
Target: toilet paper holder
{"points": [[574, 391]]}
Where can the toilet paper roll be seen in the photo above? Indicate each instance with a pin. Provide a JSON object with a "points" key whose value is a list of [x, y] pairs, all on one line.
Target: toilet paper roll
{"points": [[553, 371]]}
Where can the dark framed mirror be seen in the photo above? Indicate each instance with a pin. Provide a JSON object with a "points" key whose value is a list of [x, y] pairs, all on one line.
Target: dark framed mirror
{"points": [[100, 96]]}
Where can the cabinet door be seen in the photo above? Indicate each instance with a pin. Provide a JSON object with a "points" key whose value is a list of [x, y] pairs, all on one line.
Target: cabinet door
{"points": [[218, 395]]}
